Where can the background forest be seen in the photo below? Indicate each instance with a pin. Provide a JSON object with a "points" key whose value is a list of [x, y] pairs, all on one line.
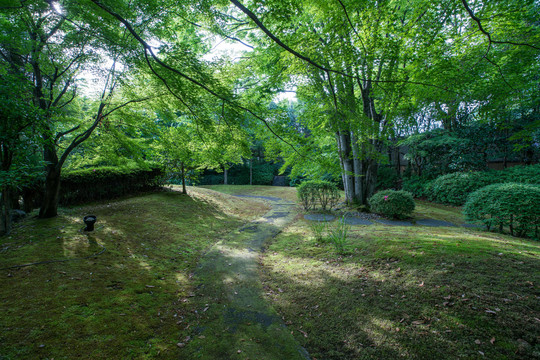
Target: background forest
{"points": [[385, 94]]}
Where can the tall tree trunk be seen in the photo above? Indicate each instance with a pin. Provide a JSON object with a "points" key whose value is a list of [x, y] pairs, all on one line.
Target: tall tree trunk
{"points": [[224, 175], [5, 211], [6, 159], [49, 206], [183, 179], [358, 178], [251, 171], [347, 167]]}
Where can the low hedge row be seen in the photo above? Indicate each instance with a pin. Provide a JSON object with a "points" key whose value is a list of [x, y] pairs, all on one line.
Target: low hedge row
{"points": [[317, 192], [510, 205], [455, 188], [107, 182]]}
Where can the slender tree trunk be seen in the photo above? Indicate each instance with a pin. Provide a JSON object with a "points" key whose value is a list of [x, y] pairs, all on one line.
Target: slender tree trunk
{"points": [[49, 206], [251, 172], [6, 158], [358, 178], [347, 166], [5, 211], [183, 179], [225, 176]]}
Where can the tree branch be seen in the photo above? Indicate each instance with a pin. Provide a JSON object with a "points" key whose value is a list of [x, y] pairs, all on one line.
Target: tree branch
{"points": [[148, 48], [491, 41]]}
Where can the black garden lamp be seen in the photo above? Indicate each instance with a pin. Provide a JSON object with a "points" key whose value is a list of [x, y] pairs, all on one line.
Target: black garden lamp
{"points": [[89, 220]]}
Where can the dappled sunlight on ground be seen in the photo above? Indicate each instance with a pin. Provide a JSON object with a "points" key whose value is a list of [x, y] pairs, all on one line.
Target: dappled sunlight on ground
{"points": [[413, 292]]}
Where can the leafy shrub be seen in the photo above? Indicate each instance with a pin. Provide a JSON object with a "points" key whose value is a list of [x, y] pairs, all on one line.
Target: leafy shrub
{"points": [[397, 204], [526, 174], [454, 188], [418, 186], [317, 192], [106, 182], [512, 205], [387, 177]]}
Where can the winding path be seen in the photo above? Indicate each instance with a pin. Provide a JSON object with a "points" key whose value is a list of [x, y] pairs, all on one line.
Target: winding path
{"points": [[237, 322]]}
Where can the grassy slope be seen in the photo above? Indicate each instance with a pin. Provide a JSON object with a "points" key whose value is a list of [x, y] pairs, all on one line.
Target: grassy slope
{"points": [[129, 302]]}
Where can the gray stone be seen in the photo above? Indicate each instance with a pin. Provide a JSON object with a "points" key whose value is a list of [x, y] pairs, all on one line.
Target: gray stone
{"points": [[394, 222], [17, 215], [280, 180], [354, 220], [319, 217], [270, 198], [434, 223]]}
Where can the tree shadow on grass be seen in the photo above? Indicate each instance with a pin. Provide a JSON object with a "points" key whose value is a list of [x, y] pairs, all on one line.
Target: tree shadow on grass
{"points": [[128, 302], [418, 301]]}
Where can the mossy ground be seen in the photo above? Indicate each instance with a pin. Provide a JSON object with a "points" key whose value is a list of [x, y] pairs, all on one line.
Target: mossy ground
{"points": [[397, 292], [408, 292], [129, 302]]}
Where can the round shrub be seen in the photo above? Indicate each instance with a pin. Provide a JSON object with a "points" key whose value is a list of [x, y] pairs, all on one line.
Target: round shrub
{"points": [[317, 192], [512, 205], [454, 188], [396, 204]]}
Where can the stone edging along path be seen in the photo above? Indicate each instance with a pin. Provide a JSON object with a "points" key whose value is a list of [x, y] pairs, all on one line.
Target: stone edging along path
{"points": [[237, 322], [355, 220]]}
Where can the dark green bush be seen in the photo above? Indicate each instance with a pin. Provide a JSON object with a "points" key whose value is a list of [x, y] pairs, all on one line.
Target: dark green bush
{"points": [[525, 174], [387, 177], [106, 182], [396, 204], [454, 188], [317, 192], [512, 205], [263, 174], [418, 186]]}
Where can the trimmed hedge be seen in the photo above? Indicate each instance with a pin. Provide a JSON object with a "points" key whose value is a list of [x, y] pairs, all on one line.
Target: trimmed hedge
{"points": [[106, 182], [396, 204], [512, 205], [454, 188], [317, 192], [524, 174]]}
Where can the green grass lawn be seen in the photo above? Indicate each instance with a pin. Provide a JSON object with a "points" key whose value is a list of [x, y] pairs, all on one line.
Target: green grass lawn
{"points": [[397, 292], [408, 292], [129, 302]]}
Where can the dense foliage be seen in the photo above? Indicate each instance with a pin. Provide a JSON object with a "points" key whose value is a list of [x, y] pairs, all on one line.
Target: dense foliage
{"points": [[391, 203], [511, 205], [315, 193], [108, 182], [454, 188]]}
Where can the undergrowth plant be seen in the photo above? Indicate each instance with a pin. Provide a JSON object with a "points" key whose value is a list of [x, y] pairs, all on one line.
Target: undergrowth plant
{"points": [[338, 235], [318, 229]]}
